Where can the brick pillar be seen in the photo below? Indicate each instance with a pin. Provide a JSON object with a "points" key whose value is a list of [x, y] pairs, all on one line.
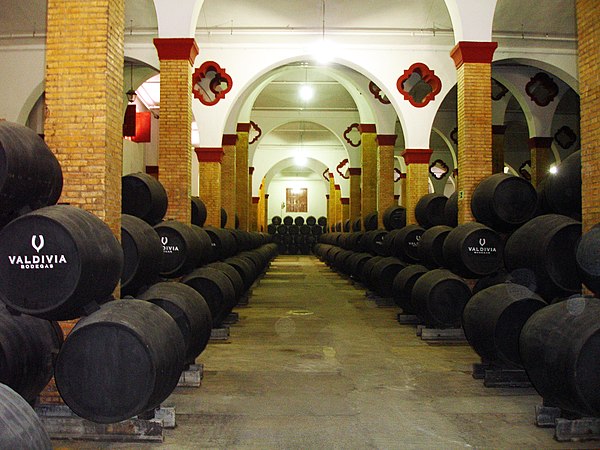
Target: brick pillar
{"points": [[254, 214], [85, 131], [403, 189], [498, 132], [368, 138], [473, 62], [331, 204], [266, 212], [345, 210], [338, 204], [250, 199], [260, 222], [242, 194], [329, 218], [176, 57], [417, 179], [385, 174], [588, 28], [355, 196], [228, 183], [209, 167], [86, 139], [541, 158]]}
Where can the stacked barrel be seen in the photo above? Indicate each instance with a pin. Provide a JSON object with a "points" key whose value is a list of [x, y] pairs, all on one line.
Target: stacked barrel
{"points": [[296, 235]]}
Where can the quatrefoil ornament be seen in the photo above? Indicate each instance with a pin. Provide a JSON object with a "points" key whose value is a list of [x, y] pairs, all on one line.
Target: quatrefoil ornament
{"points": [[210, 83]]}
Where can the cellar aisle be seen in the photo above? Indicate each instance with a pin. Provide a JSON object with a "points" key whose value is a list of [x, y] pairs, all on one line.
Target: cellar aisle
{"points": [[313, 364]]}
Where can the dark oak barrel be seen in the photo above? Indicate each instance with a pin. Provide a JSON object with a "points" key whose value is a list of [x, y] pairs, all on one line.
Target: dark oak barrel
{"points": [[588, 259], [546, 246], [189, 310], [144, 197], [451, 210], [120, 361], [217, 290], [57, 260], [504, 202], [403, 285], [429, 210], [559, 347], [223, 218], [233, 275], [182, 248], [27, 349], [493, 319], [372, 242], [198, 211], [276, 220], [394, 217], [322, 221], [406, 241], [142, 253], [311, 221], [383, 274], [431, 245], [21, 428], [223, 242], [30, 175], [245, 267], [473, 250], [562, 190], [370, 221], [439, 297]]}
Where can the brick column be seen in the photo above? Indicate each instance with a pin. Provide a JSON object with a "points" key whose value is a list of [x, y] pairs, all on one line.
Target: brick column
{"points": [[473, 62], [403, 189], [355, 196], [588, 28], [338, 204], [176, 57], [417, 179], [368, 135], [385, 174], [254, 214], [228, 183], [541, 158], [498, 132], [266, 212], [250, 199], [260, 223], [345, 210], [209, 167], [242, 194], [85, 39], [331, 220]]}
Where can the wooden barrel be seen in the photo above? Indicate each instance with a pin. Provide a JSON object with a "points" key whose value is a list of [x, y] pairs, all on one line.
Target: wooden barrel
{"points": [[30, 175], [143, 196], [276, 220], [473, 250], [271, 228], [394, 217], [546, 246], [371, 222], [431, 245], [493, 319], [356, 263], [57, 260], [120, 361], [182, 248], [223, 218], [288, 220], [588, 259], [524, 277], [372, 242], [356, 224], [299, 220], [217, 290], [406, 242], [208, 253], [223, 242], [504, 202], [439, 297], [189, 310], [559, 350], [403, 285], [234, 276], [198, 211], [20, 425], [245, 267], [142, 252], [311, 221], [430, 210], [383, 274], [451, 211], [322, 221], [562, 190], [27, 349]]}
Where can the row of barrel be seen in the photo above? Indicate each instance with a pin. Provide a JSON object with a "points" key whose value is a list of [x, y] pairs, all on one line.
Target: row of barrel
{"points": [[296, 235]]}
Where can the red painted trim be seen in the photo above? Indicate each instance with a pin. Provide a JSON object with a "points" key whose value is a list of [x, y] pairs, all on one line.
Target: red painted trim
{"points": [[416, 155], [367, 128], [473, 52], [386, 140], [250, 170], [152, 170], [428, 76], [498, 129], [243, 128], [219, 75], [209, 154], [355, 171], [330, 175], [337, 187], [540, 142], [255, 200], [176, 48], [345, 200], [229, 139]]}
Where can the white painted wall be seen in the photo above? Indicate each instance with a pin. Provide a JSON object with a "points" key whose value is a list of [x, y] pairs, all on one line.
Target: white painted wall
{"points": [[317, 203]]}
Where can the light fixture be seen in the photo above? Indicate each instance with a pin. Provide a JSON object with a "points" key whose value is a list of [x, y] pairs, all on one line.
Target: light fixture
{"points": [[131, 94], [306, 92], [553, 169]]}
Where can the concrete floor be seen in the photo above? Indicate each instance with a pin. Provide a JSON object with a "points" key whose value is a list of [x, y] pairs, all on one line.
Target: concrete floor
{"points": [[314, 364]]}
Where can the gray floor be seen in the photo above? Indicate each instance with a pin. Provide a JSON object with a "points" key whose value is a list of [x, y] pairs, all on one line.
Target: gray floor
{"points": [[314, 364]]}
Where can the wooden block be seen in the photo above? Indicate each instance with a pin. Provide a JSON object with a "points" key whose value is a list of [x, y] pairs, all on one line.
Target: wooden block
{"points": [[407, 319], [444, 334], [192, 377], [514, 378], [584, 429], [219, 334], [545, 416], [166, 415]]}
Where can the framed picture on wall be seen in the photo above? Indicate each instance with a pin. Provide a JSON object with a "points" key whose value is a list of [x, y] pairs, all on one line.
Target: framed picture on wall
{"points": [[296, 200]]}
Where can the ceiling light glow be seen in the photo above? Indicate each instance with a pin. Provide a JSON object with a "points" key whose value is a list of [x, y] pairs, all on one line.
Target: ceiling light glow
{"points": [[306, 92]]}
